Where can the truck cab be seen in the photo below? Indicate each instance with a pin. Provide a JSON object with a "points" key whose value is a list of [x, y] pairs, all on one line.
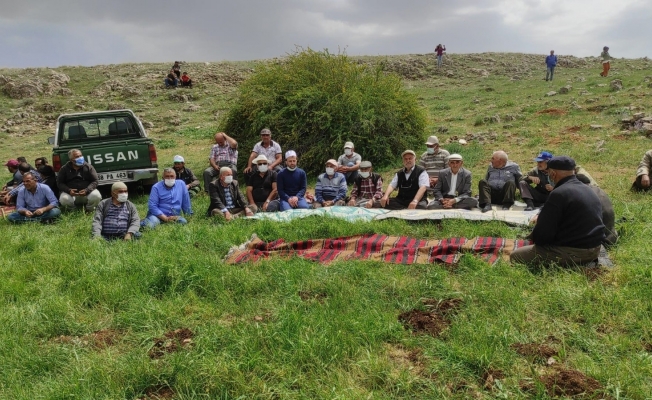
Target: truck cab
{"points": [[113, 142]]}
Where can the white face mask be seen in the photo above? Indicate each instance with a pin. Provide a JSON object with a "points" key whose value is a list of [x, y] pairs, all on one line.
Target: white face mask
{"points": [[291, 169], [347, 152], [430, 150], [122, 197], [262, 168], [330, 171], [228, 179], [365, 174], [169, 182]]}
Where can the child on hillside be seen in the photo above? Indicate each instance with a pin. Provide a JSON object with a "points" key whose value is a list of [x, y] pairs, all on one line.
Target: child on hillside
{"points": [[185, 80]]}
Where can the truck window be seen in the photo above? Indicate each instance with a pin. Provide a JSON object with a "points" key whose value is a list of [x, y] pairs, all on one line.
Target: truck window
{"points": [[98, 128]]}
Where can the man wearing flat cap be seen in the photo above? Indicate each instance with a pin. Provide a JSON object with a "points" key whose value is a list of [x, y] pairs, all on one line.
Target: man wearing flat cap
{"points": [[569, 228], [367, 188], [116, 217], [227, 202], [538, 176], [186, 175], [433, 160], [330, 189], [349, 163], [411, 182], [453, 188]]}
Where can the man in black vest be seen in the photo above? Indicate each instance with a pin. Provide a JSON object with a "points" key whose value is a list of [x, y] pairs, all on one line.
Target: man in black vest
{"points": [[411, 182]]}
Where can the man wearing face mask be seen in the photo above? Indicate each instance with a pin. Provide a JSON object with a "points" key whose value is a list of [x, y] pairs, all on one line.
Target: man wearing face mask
{"points": [[116, 217], [226, 199], [411, 182], [77, 182], [292, 183], [367, 189], [330, 189], [433, 161], [569, 228], [261, 186], [167, 200], [349, 163]]}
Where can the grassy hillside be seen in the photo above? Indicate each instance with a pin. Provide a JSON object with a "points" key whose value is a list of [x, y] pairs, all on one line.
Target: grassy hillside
{"points": [[166, 318]]}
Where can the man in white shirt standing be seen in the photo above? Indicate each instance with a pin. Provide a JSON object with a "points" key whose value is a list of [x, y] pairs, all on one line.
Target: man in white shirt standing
{"points": [[411, 182], [453, 188]]}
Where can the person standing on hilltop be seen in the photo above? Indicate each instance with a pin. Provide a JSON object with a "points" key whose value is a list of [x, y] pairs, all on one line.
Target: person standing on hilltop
{"points": [[439, 51], [551, 63], [605, 61]]}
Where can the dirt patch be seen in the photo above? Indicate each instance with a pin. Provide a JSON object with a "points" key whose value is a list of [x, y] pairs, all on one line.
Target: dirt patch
{"points": [[170, 342], [552, 111], [98, 339], [410, 359], [158, 392], [593, 274], [433, 321], [573, 129], [568, 382], [490, 376], [647, 346], [539, 351], [307, 295]]}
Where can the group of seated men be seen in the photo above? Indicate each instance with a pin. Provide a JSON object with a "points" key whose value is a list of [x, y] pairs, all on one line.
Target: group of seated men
{"points": [[273, 188]]}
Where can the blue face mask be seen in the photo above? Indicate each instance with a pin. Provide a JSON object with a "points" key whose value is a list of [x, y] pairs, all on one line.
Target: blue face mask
{"points": [[79, 161]]}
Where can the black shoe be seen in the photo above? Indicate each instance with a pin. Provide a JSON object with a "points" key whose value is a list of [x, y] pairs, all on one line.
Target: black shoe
{"points": [[529, 208], [486, 208], [506, 207]]}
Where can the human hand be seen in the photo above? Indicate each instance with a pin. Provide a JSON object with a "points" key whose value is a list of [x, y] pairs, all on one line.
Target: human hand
{"points": [[29, 214], [328, 203], [383, 201], [73, 192], [265, 204], [412, 205], [82, 192], [433, 181], [549, 187], [351, 203], [247, 170], [293, 201], [127, 237], [645, 181], [38, 211], [534, 219], [369, 204], [172, 218], [448, 203], [535, 180], [248, 212]]}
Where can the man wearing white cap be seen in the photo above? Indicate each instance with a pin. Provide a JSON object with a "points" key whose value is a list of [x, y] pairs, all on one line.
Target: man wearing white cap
{"points": [[187, 176], [116, 217], [433, 160], [292, 183], [331, 187], [411, 182], [453, 188], [261, 186], [268, 148], [349, 163]]}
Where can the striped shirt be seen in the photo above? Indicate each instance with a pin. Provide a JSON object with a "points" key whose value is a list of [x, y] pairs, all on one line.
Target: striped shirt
{"points": [[224, 153], [116, 221], [14, 191], [432, 163]]}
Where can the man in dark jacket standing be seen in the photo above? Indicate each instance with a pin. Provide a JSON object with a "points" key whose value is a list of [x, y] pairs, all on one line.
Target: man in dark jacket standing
{"points": [[226, 200], [569, 229], [551, 63], [77, 182]]}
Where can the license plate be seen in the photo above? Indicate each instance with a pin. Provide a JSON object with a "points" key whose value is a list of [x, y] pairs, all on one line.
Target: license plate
{"points": [[111, 176]]}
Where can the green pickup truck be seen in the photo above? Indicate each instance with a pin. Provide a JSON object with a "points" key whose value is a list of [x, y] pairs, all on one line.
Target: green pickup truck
{"points": [[114, 142]]}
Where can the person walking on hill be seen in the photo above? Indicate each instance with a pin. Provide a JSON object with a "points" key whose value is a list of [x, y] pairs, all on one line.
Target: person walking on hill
{"points": [[605, 61], [439, 51], [551, 63]]}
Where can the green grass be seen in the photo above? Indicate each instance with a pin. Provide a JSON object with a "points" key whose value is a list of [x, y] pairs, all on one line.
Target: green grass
{"points": [[255, 337]]}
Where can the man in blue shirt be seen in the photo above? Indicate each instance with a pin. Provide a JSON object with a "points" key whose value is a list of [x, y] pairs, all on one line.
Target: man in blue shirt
{"points": [[551, 63], [35, 202], [167, 200], [291, 183], [331, 187]]}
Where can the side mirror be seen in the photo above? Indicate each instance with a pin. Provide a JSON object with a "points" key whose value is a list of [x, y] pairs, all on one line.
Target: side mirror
{"points": [[51, 140]]}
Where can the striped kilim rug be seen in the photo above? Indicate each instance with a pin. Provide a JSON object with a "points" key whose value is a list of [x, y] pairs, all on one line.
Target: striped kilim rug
{"points": [[392, 249], [6, 210]]}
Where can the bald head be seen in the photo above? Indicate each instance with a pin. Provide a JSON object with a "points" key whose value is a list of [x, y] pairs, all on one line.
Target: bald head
{"points": [[219, 138], [498, 159]]}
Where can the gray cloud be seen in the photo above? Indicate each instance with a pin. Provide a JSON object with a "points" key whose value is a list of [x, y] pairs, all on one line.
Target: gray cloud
{"points": [[65, 32]]}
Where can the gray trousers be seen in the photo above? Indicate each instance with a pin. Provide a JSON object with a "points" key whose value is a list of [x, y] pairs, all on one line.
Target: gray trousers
{"points": [[466, 203], [363, 203], [528, 192], [561, 255], [489, 195]]}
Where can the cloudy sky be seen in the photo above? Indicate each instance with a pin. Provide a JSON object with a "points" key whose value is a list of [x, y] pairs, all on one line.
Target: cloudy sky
{"points": [[37, 33]]}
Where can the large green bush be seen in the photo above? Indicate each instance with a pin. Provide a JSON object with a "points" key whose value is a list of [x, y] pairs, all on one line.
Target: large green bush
{"points": [[316, 101]]}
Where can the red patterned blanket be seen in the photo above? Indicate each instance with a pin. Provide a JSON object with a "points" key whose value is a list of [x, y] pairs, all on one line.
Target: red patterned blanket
{"points": [[392, 249]]}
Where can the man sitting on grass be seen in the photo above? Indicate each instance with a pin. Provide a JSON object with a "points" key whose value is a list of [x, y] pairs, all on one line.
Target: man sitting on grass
{"points": [[453, 187], [411, 182], [331, 187], [261, 186], [537, 195], [292, 183], [569, 228], [35, 202], [116, 217], [167, 200], [499, 185], [227, 202], [642, 182], [367, 188], [186, 175]]}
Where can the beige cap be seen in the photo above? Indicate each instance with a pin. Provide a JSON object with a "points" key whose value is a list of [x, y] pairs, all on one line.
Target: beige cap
{"points": [[408, 152], [118, 185], [331, 161], [455, 156], [365, 164], [348, 145], [261, 157], [432, 140]]}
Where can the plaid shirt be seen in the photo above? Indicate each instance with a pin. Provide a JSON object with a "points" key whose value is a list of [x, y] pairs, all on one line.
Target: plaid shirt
{"points": [[116, 220], [367, 189], [224, 153], [14, 191]]}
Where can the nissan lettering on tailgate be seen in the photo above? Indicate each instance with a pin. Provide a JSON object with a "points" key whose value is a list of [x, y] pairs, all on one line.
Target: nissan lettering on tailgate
{"points": [[114, 142]]}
